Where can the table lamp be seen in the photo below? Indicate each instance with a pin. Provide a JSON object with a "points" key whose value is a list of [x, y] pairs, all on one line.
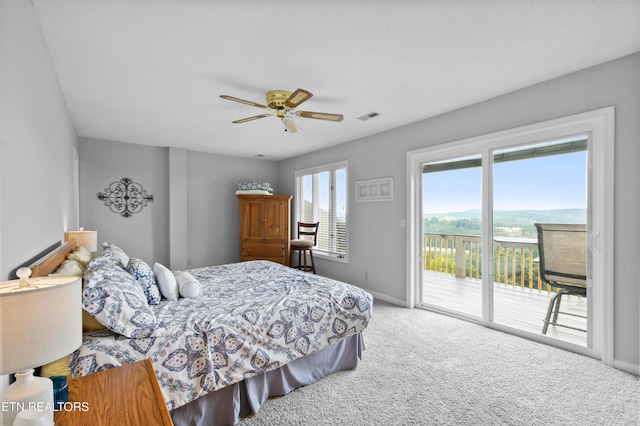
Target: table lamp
{"points": [[86, 239], [40, 322]]}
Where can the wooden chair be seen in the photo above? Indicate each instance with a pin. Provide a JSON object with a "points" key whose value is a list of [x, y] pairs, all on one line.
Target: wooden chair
{"points": [[304, 244], [563, 264]]}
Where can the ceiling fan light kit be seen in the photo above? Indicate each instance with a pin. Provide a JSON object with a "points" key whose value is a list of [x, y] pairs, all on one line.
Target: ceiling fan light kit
{"points": [[289, 124], [282, 103]]}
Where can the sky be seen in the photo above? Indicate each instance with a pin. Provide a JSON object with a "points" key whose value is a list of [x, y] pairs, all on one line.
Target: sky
{"points": [[543, 183]]}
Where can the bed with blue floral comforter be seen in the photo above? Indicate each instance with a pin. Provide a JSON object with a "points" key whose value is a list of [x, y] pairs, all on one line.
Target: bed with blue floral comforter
{"points": [[249, 318]]}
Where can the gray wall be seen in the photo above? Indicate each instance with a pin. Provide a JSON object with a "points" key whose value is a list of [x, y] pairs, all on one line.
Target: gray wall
{"points": [[194, 207], [213, 207], [144, 234], [382, 252], [37, 139], [37, 197]]}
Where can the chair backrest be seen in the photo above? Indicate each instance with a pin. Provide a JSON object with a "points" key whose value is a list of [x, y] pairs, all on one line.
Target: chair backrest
{"points": [[308, 231], [563, 253]]}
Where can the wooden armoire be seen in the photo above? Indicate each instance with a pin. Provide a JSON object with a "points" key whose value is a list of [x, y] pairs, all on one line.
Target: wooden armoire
{"points": [[264, 227]]}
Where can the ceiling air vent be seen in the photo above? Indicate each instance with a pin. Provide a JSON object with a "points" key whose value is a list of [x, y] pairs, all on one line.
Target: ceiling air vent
{"points": [[368, 116]]}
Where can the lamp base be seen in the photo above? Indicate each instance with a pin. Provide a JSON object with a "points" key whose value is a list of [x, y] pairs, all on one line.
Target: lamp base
{"points": [[29, 392]]}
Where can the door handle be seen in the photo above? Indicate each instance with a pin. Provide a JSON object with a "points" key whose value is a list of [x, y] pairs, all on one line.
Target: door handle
{"points": [[593, 246], [593, 242]]}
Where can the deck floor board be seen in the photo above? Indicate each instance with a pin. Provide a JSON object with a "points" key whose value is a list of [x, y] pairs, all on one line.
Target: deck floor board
{"points": [[518, 307]]}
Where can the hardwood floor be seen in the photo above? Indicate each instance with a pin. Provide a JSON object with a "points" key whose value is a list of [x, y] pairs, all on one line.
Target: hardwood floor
{"points": [[522, 308]]}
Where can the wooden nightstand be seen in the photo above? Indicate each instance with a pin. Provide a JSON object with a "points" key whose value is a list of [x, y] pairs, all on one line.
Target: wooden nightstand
{"points": [[128, 395]]}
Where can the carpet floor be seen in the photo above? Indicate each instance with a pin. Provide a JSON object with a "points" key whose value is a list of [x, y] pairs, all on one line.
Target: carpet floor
{"points": [[423, 368]]}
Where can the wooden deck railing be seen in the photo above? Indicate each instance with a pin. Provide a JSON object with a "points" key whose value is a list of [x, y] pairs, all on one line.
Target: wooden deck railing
{"points": [[515, 259]]}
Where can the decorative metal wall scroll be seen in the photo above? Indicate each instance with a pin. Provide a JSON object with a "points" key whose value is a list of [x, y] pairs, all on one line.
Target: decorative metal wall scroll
{"points": [[125, 197]]}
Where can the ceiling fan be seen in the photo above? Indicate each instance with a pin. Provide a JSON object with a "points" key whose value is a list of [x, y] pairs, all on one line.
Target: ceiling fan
{"points": [[281, 103]]}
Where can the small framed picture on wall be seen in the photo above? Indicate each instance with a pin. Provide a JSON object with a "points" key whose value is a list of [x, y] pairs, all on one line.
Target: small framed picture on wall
{"points": [[374, 190]]}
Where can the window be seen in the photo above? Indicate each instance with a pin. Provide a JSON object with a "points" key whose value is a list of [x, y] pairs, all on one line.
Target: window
{"points": [[321, 196]]}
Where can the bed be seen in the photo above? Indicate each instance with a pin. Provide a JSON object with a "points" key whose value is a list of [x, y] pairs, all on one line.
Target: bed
{"points": [[241, 333]]}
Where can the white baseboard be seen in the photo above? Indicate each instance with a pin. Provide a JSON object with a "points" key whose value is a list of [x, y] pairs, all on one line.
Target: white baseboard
{"points": [[627, 366], [386, 298]]}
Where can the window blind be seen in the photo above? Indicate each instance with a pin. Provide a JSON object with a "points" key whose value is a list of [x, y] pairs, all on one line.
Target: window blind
{"points": [[321, 196]]}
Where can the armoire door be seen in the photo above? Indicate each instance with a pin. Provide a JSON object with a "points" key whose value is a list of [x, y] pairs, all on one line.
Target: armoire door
{"points": [[275, 218], [253, 217]]}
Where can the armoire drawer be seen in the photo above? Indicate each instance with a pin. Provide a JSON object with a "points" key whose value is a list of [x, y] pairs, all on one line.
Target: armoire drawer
{"points": [[263, 249]]}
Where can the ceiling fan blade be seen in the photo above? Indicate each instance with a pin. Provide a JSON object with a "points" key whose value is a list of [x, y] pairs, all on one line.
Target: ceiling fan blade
{"points": [[242, 101], [255, 117], [297, 97], [320, 115]]}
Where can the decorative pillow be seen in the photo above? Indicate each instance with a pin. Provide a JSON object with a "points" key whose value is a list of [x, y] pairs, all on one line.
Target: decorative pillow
{"points": [[113, 297], [188, 286], [254, 186], [97, 263], [80, 254], [143, 273], [115, 253], [70, 267], [166, 281]]}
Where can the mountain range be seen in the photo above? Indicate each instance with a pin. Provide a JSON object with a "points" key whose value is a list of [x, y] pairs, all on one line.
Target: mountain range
{"points": [[519, 217]]}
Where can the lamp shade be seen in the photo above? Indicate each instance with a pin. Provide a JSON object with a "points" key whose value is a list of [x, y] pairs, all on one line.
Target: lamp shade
{"points": [[39, 323], [86, 239]]}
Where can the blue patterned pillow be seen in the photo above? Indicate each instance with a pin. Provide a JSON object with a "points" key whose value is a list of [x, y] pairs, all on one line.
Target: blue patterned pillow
{"points": [[254, 186], [113, 297], [143, 273]]}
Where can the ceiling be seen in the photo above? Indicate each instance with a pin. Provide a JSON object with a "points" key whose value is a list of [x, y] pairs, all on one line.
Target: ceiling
{"points": [[151, 71]]}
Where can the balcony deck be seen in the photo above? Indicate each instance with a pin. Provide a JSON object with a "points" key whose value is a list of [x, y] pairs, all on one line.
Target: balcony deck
{"points": [[514, 306]]}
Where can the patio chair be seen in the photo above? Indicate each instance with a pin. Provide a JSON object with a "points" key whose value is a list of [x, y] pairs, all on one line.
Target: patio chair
{"points": [[563, 264]]}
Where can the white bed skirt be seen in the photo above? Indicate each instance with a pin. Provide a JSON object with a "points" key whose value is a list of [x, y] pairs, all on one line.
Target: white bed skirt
{"points": [[228, 405]]}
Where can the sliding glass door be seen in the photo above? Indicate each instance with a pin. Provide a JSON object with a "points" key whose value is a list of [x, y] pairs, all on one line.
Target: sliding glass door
{"points": [[451, 235], [475, 207], [540, 183], [544, 183]]}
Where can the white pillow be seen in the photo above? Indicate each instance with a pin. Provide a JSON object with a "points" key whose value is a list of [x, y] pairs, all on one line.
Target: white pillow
{"points": [[81, 254], [70, 267], [188, 286], [166, 281]]}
